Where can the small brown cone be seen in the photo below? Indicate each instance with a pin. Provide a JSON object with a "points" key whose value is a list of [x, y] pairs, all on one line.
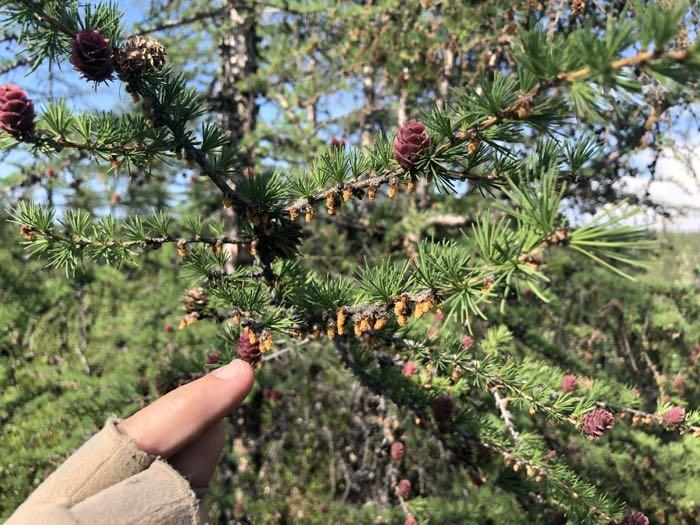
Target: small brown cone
{"points": [[140, 54], [372, 192], [341, 319], [473, 146], [309, 214], [182, 247], [393, 188], [381, 322], [27, 233], [331, 203]]}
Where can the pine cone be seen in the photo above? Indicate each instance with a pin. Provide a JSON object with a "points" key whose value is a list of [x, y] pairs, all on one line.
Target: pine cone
{"points": [[92, 55], [679, 383], [404, 488], [443, 407], [337, 143], [248, 351], [578, 6], [597, 422], [568, 383], [409, 369], [16, 110], [140, 54], [467, 342], [27, 233], [143, 386], [410, 142], [271, 394], [195, 299], [397, 451], [674, 416], [694, 353], [635, 518]]}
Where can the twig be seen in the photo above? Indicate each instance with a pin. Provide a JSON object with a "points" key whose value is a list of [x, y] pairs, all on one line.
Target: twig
{"points": [[397, 492], [658, 378], [16, 64], [170, 24], [59, 143], [82, 326], [502, 405], [511, 112], [658, 418], [449, 220], [148, 242], [278, 353], [636, 60]]}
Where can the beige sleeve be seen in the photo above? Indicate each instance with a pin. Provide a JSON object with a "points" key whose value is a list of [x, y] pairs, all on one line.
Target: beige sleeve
{"points": [[110, 481]]}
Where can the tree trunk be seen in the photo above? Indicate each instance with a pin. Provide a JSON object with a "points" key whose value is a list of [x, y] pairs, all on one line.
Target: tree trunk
{"points": [[446, 75], [236, 101], [402, 109], [370, 96], [238, 49]]}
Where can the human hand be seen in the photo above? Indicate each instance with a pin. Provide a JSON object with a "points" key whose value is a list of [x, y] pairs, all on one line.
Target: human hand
{"points": [[185, 425], [142, 469]]}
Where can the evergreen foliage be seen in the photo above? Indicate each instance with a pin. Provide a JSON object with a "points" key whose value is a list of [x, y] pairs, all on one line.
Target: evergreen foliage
{"points": [[328, 261]]}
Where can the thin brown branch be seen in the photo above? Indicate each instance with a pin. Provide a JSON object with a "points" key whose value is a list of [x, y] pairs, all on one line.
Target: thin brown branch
{"points": [[45, 19], [635, 60], [148, 242], [60, 143], [372, 181], [20, 62], [502, 405], [171, 24], [517, 110], [449, 220], [646, 417]]}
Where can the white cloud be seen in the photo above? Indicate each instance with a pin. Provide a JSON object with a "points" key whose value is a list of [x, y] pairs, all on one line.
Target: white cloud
{"points": [[675, 185]]}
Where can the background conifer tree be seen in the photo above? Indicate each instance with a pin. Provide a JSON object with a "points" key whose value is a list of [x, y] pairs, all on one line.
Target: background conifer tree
{"points": [[408, 214]]}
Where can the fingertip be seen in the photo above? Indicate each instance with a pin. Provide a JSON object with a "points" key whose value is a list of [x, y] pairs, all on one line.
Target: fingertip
{"points": [[239, 375], [239, 370]]}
